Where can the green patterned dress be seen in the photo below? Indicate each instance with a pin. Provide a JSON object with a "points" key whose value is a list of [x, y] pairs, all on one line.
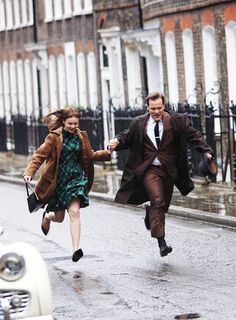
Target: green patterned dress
{"points": [[71, 179]]}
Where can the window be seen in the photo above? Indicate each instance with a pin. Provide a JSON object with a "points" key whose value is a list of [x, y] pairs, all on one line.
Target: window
{"points": [[67, 8], [57, 9], [24, 18], [82, 7], [189, 66], [13, 87], [82, 80], [9, 14], [62, 80], [16, 10], [71, 73], [6, 86], [35, 88], [171, 67], [210, 66], [30, 13], [28, 88], [2, 108], [133, 77], [2, 16], [48, 10], [52, 82], [92, 80], [21, 88], [230, 31]]}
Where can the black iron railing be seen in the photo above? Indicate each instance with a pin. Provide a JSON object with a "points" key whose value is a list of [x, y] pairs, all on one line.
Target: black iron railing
{"points": [[23, 135]]}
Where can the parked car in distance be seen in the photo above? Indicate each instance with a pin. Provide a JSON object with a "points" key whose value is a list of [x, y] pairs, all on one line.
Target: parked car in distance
{"points": [[25, 291]]}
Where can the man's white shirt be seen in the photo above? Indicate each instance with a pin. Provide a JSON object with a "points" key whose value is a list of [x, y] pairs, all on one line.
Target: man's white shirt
{"points": [[151, 123]]}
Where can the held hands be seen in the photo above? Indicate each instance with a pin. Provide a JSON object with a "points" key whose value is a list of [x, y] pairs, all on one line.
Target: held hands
{"points": [[27, 178], [209, 156], [113, 143]]}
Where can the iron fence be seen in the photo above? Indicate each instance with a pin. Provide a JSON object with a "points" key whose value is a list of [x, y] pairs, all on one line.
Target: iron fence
{"points": [[23, 135], [218, 129]]}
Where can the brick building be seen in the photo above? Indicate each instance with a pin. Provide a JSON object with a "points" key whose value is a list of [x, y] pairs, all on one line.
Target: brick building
{"points": [[111, 53]]}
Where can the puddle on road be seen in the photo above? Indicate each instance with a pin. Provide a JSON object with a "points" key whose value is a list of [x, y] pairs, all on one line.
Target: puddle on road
{"points": [[188, 316]]}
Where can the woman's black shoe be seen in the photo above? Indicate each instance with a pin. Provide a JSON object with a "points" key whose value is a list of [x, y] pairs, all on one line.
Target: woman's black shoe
{"points": [[45, 226], [77, 255]]}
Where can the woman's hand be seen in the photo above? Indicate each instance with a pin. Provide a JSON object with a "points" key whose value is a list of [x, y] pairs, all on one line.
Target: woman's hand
{"points": [[113, 143], [27, 178]]}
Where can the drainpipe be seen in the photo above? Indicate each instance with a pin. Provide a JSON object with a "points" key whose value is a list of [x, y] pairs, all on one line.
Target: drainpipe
{"points": [[140, 13], [35, 31]]}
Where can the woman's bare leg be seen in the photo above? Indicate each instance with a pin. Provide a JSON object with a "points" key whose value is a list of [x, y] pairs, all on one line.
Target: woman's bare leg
{"points": [[74, 215], [57, 216]]}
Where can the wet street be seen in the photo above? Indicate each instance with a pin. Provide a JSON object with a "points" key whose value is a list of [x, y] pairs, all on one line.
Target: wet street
{"points": [[122, 275]]}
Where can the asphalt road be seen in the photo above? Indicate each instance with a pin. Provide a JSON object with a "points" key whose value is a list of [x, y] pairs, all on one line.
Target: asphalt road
{"points": [[122, 275]]}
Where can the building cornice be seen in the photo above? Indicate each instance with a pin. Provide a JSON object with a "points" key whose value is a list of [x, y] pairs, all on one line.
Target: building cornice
{"points": [[177, 9]]}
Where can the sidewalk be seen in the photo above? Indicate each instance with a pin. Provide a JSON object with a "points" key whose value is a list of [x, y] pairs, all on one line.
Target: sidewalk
{"points": [[212, 203]]}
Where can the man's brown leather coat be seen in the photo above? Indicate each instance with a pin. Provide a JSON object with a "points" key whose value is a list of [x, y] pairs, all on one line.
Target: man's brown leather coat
{"points": [[50, 151]]}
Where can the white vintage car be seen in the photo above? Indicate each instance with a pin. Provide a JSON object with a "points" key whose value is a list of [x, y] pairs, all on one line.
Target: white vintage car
{"points": [[25, 291]]}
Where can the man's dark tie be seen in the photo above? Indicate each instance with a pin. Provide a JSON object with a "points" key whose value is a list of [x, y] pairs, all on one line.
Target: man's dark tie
{"points": [[156, 132]]}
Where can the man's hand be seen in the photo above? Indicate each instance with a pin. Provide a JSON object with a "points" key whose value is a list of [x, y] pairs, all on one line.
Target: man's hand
{"points": [[113, 143], [209, 156], [27, 178]]}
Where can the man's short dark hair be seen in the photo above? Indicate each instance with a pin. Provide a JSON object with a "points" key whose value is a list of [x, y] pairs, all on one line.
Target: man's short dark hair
{"points": [[154, 96]]}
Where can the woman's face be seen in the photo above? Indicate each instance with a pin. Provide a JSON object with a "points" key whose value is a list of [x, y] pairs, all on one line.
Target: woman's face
{"points": [[70, 124]]}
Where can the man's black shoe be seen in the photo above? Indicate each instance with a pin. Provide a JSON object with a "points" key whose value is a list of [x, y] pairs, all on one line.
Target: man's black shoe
{"points": [[165, 250], [146, 219]]}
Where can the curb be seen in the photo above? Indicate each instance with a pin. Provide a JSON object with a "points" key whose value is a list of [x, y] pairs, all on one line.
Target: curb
{"points": [[175, 211]]}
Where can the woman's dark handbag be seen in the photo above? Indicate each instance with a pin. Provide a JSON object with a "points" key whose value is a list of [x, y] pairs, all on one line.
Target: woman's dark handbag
{"points": [[34, 204]]}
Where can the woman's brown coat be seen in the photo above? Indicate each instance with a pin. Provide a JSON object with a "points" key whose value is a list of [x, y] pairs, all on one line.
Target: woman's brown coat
{"points": [[50, 151]]}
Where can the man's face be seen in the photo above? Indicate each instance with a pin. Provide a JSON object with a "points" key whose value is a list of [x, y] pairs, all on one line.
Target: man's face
{"points": [[156, 108]]}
